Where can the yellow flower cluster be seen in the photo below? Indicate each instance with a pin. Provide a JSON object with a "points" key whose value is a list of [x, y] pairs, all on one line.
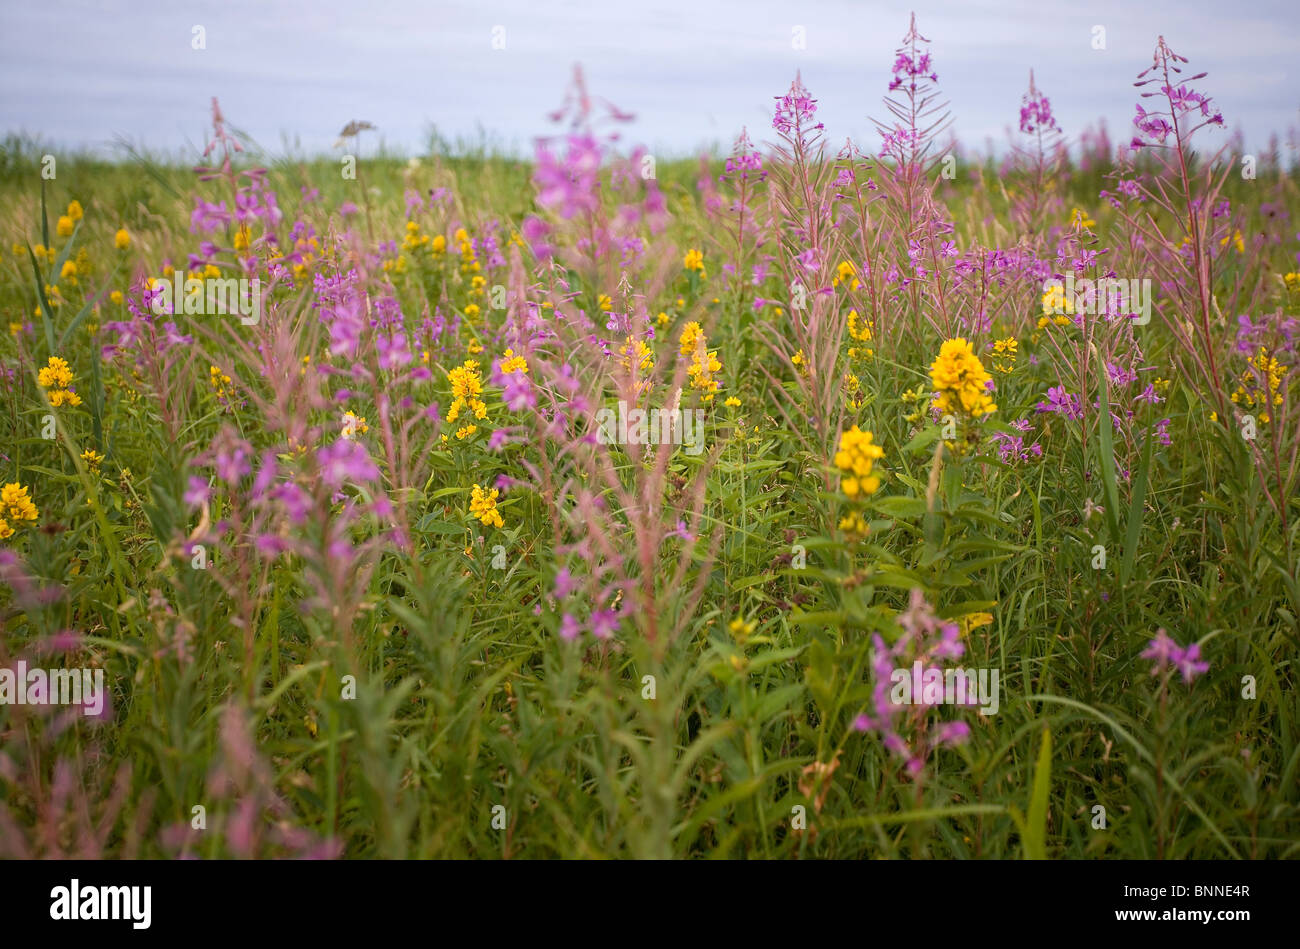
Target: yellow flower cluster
{"points": [[960, 380], [121, 240], [353, 425], [853, 391], [742, 628], [483, 505], [1236, 240], [845, 273], [1251, 394], [15, 505], [691, 335], [862, 331], [414, 240], [1004, 354], [221, 383], [92, 458], [1079, 218], [512, 363], [57, 377], [468, 260], [466, 387], [971, 621], [856, 458], [694, 260], [635, 351], [1056, 303], [704, 363]]}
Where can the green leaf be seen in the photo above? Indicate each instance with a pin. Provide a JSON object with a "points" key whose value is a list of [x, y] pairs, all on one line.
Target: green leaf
{"points": [[1104, 430], [1035, 832], [46, 315], [900, 506], [85, 310], [1135, 513]]}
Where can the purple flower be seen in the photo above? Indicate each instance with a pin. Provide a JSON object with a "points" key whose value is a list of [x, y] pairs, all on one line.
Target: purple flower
{"points": [[952, 733], [569, 628], [681, 531], [1160, 650], [232, 462], [345, 460], [518, 392], [1188, 662], [196, 495], [1061, 402], [1165, 653], [604, 623], [564, 583], [794, 110], [1036, 111]]}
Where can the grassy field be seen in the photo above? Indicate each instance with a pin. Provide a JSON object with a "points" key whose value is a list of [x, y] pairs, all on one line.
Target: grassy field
{"points": [[382, 566]]}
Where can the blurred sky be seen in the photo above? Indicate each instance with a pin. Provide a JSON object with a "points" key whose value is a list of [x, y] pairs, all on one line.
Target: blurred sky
{"points": [[292, 73]]}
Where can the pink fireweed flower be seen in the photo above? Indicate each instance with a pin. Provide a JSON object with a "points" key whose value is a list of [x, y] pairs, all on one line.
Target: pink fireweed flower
{"points": [[907, 730], [604, 623], [1189, 663], [345, 461], [1036, 111], [1160, 651], [1165, 653], [564, 583], [795, 110], [196, 494], [1061, 402]]}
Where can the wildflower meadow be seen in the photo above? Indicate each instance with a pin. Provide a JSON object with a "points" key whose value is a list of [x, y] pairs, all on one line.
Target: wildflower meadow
{"points": [[820, 499]]}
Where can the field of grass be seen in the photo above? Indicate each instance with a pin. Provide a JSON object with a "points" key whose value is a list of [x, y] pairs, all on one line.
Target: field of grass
{"points": [[374, 567]]}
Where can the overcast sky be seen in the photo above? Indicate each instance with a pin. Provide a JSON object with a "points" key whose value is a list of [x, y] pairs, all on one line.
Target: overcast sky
{"points": [[292, 72]]}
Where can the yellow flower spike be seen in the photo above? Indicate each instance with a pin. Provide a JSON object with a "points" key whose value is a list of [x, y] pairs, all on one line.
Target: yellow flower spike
{"points": [[16, 504], [483, 505], [856, 460], [960, 381], [694, 261], [57, 374], [741, 628], [121, 240]]}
